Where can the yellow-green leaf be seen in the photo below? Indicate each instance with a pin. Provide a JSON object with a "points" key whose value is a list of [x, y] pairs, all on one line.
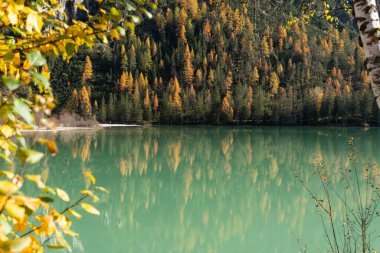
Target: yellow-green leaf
{"points": [[102, 189], [91, 194], [12, 15], [114, 34], [5, 227], [34, 22], [7, 131], [89, 175], [11, 83], [62, 195], [16, 245], [15, 211], [82, 7], [23, 110], [74, 213], [64, 243], [29, 156], [37, 180], [114, 12], [51, 145], [36, 59], [7, 173], [7, 188], [90, 209], [55, 246]]}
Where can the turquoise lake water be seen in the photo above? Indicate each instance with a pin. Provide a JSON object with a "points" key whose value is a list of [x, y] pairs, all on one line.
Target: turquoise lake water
{"points": [[203, 189]]}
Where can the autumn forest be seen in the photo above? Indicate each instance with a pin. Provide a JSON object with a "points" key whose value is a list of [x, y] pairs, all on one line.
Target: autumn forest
{"points": [[198, 62], [173, 126]]}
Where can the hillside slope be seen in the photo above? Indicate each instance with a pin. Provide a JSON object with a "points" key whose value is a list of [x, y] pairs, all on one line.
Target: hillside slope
{"points": [[212, 62]]}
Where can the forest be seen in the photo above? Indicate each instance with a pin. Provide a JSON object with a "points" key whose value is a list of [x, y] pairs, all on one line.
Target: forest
{"points": [[205, 62], [84, 84]]}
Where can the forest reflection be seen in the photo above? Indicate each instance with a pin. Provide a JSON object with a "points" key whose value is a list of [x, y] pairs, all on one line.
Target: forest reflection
{"points": [[203, 189]]}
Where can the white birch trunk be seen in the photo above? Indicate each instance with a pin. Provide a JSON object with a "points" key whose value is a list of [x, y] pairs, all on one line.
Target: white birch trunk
{"points": [[367, 19]]}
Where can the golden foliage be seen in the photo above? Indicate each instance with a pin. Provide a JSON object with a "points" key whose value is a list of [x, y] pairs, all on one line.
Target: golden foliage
{"points": [[264, 46], [227, 107], [188, 69], [210, 78], [274, 83], [85, 103], [123, 81], [146, 99], [87, 71], [318, 96], [155, 103], [175, 100]]}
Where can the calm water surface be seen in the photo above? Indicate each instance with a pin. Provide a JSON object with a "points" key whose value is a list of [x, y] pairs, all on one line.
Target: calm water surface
{"points": [[202, 189]]}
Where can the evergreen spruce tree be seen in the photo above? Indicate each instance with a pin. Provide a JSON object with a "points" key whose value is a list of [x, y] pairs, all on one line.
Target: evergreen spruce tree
{"points": [[188, 70], [111, 112], [259, 106], [128, 108], [254, 77], [124, 59], [72, 105], [95, 110], [102, 117], [132, 58], [129, 83], [198, 78], [145, 59], [147, 107], [137, 111], [210, 79], [121, 113]]}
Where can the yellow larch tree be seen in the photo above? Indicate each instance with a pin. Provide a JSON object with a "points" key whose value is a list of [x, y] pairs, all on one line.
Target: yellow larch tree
{"points": [[146, 99], [155, 103], [123, 81], [274, 82], [175, 95], [85, 103], [210, 78], [73, 102], [207, 31], [227, 106], [87, 71], [130, 82], [254, 76], [264, 46], [188, 70]]}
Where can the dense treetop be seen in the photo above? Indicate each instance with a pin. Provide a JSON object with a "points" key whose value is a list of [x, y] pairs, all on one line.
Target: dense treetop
{"points": [[219, 62]]}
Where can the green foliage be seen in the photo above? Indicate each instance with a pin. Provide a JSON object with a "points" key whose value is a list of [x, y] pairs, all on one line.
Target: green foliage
{"points": [[30, 32]]}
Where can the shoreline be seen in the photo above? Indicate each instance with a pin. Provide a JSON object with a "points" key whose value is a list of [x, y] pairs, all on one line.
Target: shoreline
{"points": [[104, 126], [61, 129], [117, 125]]}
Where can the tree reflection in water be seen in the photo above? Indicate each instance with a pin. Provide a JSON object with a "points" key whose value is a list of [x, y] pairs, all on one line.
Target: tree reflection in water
{"points": [[202, 189]]}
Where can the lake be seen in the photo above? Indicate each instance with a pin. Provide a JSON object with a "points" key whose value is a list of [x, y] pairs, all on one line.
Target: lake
{"points": [[203, 189]]}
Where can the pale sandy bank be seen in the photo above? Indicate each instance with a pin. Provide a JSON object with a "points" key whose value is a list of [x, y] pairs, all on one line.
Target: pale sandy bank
{"points": [[59, 129]]}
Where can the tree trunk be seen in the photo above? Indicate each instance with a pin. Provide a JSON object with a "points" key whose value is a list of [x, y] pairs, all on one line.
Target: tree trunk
{"points": [[367, 18]]}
